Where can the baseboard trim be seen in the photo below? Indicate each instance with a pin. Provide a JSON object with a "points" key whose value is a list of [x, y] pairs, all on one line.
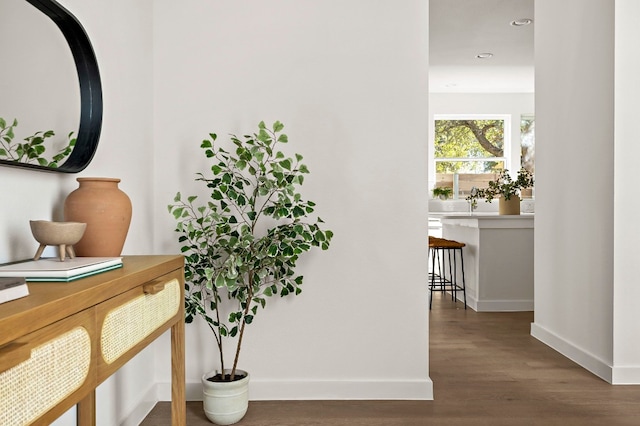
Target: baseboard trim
{"points": [[144, 407], [260, 390], [576, 354], [504, 306], [629, 375], [497, 305], [273, 390]]}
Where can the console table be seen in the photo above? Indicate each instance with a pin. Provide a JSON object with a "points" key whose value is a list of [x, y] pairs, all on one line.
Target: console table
{"points": [[64, 339]]}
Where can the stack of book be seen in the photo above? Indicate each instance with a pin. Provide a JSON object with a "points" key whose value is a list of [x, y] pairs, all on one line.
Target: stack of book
{"points": [[52, 269], [13, 288]]}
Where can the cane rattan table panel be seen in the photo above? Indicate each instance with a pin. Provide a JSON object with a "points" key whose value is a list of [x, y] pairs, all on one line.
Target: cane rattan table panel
{"points": [[50, 341], [130, 323]]}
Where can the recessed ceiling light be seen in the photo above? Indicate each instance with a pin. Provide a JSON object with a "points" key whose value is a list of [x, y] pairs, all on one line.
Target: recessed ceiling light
{"points": [[521, 22], [484, 55]]}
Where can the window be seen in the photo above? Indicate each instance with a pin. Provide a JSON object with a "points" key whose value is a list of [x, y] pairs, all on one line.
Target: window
{"points": [[469, 151], [527, 141]]}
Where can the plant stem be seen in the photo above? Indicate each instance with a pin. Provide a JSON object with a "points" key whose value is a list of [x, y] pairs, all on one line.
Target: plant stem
{"points": [[246, 311], [219, 336]]}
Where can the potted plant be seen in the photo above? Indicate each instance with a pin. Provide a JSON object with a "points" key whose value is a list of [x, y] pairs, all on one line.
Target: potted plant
{"points": [[241, 246], [506, 190], [442, 192]]}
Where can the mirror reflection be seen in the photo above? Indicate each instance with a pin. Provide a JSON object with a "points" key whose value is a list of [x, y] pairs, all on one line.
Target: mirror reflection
{"points": [[40, 102], [50, 89]]}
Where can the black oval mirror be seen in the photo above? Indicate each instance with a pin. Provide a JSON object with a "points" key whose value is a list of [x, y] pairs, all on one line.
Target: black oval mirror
{"points": [[88, 131]]}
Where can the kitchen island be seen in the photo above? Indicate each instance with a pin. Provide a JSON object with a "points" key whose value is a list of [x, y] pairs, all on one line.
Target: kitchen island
{"points": [[498, 259]]}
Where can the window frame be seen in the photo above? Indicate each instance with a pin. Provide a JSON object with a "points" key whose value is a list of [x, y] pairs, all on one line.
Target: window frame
{"points": [[506, 155]]}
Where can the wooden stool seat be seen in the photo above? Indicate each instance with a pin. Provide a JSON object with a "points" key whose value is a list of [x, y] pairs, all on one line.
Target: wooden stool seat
{"points": [[435, 242]]}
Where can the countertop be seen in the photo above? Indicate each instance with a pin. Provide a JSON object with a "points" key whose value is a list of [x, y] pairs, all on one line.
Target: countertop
{"points": [[488, 220]]}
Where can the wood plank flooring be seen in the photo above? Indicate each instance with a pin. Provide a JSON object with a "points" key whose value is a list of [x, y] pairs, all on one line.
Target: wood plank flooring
{"points": [[486, 369]]}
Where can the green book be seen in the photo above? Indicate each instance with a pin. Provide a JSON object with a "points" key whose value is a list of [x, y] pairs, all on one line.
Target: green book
{"points": [[52, 269]]}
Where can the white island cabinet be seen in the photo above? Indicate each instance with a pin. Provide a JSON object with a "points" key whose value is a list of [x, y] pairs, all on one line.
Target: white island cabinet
{"points": [[498, 259]]}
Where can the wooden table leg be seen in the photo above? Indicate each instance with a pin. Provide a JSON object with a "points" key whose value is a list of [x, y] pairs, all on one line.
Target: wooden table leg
{"points": [[178, 397], [86, 410]]}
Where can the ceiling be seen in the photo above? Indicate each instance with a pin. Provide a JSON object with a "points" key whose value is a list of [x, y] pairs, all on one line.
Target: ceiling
{"points": [[461, 29]]}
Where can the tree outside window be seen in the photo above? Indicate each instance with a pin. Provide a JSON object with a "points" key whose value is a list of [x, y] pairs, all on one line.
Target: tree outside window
{"points": [[468, 151], [527, 140]]}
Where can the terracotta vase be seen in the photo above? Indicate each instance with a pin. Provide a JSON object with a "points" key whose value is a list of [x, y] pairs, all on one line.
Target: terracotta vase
{"points": [[510, 206], [106, 210]]}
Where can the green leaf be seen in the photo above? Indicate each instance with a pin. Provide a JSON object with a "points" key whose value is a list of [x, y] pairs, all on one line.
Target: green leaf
{"points": [[177, 212], [264, 136], [298, 211], [220, 281], [286, 164], [283, 139], [277, 127]]}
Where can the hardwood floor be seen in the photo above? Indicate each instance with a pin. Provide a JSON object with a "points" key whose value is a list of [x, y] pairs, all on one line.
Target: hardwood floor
{"points": [[486, 369]]}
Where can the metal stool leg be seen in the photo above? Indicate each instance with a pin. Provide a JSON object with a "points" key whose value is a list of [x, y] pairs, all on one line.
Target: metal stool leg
{"points": [[464, 286]]}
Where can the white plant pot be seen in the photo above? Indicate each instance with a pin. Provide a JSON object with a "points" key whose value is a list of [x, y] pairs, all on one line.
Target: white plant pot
{"points": [[225, 403]]}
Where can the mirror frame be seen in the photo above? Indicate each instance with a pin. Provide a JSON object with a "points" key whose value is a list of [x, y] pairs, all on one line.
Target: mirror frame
{"points": [[88, 133]]}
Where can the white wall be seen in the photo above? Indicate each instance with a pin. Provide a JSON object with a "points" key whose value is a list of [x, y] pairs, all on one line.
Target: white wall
{"points": [[345, 79], [574, 239], [121, 34], [349, 81], [511, 104], [626, 346]]}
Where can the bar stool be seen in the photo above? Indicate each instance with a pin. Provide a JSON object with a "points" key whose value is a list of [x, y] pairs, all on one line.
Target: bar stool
{"points": [[443, 254]]}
